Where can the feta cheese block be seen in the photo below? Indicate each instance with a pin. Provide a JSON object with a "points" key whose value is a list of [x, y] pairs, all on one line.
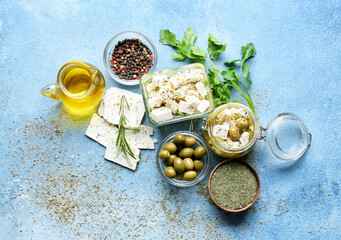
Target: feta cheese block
{"points": [[185, 107], [111, 155], [193, 101], [203, 105], [201, 88], [244, 138], [100, 130], [161, 114], [221, 131], [111, 107], [154, 102], [140, 138]]}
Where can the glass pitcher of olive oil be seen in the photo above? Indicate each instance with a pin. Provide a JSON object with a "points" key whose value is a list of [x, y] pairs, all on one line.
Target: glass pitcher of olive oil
{"points": [[80, 87]]}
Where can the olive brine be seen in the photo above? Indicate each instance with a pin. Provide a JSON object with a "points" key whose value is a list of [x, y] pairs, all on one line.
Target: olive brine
{"points": [[181, 159]]}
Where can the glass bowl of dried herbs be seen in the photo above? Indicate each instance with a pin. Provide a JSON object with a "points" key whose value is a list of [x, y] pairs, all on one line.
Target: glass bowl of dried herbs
{"points": [[193, 175], [234, 185], [128, 56]]}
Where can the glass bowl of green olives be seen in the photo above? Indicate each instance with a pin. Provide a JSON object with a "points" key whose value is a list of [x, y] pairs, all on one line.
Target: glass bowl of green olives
{"points": [[183, 158]]}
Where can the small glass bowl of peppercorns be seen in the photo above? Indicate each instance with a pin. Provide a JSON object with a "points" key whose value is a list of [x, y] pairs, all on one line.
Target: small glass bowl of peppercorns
{"points": [[128, 56]]}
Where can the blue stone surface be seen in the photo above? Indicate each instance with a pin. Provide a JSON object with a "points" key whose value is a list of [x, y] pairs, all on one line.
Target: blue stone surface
{"points": [[54, 181]]}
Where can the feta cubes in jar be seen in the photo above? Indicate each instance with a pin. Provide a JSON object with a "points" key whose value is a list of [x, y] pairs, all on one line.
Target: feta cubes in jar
{"points": [[177, 94], [232, 130]]}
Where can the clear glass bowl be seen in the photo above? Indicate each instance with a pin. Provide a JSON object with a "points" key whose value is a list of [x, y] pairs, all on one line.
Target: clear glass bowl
{"points": [[170, 72], [206, 160], [111, 45]]}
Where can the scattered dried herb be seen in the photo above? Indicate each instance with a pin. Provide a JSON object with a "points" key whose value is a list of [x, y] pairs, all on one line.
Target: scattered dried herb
{"points": [[233, 185]]}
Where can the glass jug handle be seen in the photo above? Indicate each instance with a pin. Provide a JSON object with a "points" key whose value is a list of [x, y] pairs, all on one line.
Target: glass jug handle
{"points": [[262, 133], [50, 91]]}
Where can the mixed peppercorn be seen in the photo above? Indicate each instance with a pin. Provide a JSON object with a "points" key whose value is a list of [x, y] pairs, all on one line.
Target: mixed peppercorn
{"points": [[131, 59]]}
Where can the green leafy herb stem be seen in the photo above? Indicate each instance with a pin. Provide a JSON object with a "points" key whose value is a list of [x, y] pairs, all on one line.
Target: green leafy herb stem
{"points": [[121, 141], [221, 89]]}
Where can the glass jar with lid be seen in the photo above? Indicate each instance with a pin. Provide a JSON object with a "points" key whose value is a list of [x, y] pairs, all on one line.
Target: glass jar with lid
{"points": [[286, 135]]}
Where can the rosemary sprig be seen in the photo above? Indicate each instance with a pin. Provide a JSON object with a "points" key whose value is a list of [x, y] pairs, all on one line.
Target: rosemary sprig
{"points": [[121, 141]]}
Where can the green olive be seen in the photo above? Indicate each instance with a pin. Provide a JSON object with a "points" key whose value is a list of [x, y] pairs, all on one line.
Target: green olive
{"points": [[171, 147], [179, 176], [198, 165], [242, 124], [190, 141], [219, 119], [164, 154], [179, 139], [188, 164], [179, 165], [170, 172], [190, 175], [170, 160], [234, 133], [199, 152], [229, 119], [186, 152]]}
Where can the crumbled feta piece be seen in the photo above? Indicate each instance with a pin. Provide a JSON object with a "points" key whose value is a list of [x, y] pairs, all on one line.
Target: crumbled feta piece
{"points": [[154, 102], [161, 114], [173, 105], [203, 105], [193, 75], [179, 93], [220, 131], [175, 81], [185, 107], [244, 138], [192, 101], [201, 88]]}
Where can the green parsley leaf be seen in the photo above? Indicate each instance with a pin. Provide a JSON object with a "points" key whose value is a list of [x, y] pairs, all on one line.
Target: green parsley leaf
{"points": [[246, 73], [215, 47], [168, 38], [197, 53], [191, 36], [248, 52], [178, 56], [230, 75]]}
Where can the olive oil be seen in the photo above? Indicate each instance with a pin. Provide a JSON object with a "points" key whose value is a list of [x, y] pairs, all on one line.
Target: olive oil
{"points": [[80, 86]]}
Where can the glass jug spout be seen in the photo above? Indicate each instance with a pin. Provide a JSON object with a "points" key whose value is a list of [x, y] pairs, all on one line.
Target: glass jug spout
{"points": [[50, 91]]}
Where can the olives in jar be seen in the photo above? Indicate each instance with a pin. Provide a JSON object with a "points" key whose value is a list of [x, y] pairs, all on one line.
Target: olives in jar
{"points": [[170, 172], [234, 133], [198, 165], [199, 152], [186, 152], [190, 141], [171, 147], [189, 165], [179, 165], [179, 139], [190, 175], [242, 124], [164, 154]]}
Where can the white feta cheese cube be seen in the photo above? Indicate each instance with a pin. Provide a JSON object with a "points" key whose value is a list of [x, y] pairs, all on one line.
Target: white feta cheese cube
{"points": [[175, 81], [154, 102], [192, 101], [244, 138], [201, 88], [185, 107], [193, 75], [161, 114], [179, 93], [172, 105], [220, 131], [203, 105]]}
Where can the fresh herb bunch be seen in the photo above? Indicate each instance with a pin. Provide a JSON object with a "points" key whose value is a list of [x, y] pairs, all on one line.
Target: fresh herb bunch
{"points": [[221, 89], [121, 141]]}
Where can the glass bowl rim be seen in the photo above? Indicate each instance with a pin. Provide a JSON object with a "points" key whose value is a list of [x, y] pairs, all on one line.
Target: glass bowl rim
{"points": [[117, 38], [201, 175]]}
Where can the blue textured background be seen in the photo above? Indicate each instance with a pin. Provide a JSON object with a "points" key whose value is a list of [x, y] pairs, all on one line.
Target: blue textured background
{"points": [[49, 170]]}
